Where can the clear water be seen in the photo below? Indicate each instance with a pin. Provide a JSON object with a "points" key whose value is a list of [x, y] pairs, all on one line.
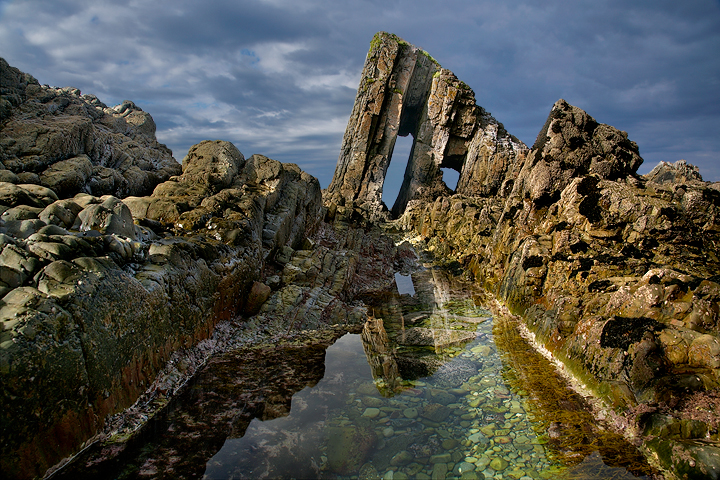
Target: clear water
{"points": [[433, 387]]}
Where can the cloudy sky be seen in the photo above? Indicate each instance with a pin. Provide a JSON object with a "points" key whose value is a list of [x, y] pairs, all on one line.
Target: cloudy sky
{"points": [[278, 77]]}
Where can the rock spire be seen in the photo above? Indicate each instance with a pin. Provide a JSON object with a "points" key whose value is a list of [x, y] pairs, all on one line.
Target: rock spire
{"points": [[404, 91]]}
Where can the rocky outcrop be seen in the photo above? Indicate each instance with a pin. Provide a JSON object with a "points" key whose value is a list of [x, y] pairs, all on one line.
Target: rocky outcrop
{"points": [[74, 143], [678, 172], [614, 273], [404, 91], [98, 292]]}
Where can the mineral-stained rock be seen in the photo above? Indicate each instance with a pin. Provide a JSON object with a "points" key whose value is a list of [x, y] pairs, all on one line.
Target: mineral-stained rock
{"points": [[405, 91]]}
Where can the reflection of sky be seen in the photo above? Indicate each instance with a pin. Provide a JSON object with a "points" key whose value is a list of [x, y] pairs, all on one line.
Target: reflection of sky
{"points": [[301, 430], [404, 284]]}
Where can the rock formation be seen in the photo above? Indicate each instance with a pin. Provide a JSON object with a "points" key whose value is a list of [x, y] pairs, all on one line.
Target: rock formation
{"points": [[614, 273], [404, 91], [113, 256], [73, 143], [94, 304]]}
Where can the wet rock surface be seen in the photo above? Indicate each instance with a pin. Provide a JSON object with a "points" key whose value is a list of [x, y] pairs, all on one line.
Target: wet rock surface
{"points": [[614, 273]]}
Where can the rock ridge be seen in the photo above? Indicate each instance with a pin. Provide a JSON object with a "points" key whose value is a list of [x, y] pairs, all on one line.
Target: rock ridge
{"points": [[616, 274], [74, 143]]}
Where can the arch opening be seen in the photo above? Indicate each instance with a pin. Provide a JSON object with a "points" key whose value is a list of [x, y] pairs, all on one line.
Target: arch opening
{"points": [[399, 159], [451, 178]]}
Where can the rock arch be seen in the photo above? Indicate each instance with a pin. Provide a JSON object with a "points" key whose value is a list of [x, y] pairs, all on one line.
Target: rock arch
{"points": [[402, 91]]}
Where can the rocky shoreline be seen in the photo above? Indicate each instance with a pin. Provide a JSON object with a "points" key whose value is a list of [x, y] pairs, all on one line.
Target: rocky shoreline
{"points": [[115, 259], [616, 274], [102, 281]]}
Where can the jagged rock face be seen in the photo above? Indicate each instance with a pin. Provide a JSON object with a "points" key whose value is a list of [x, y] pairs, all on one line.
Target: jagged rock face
{"points": [[572, 144], [98, 292], [678, 172], [74, 143], [403, 91], [615, 274]]}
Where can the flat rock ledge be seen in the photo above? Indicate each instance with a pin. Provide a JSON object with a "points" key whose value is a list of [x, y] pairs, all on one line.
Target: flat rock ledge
{"points": [[616, 274]]}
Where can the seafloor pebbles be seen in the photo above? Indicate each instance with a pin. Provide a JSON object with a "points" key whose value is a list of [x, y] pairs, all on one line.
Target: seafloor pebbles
{"points": [[462, 422]]}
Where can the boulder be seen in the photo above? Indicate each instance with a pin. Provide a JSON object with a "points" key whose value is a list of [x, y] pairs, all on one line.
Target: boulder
{"points": [[678, 172]]}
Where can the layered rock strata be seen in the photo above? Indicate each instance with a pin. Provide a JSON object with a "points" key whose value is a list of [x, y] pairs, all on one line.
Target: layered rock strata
{"points": [[614, 273], [113, 256], [404, 91]]}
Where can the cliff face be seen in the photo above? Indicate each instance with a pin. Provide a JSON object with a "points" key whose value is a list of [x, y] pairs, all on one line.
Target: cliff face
{"points": [[99, 288], [403, 91], [616, 274]]}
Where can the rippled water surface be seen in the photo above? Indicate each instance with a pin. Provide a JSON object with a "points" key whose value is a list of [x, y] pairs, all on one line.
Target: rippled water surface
{"points": [[433, 387]]}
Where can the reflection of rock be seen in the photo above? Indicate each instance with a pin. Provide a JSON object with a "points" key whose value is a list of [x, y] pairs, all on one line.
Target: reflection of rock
{"points": [[381, 356], [435, 337], [225, 396]]}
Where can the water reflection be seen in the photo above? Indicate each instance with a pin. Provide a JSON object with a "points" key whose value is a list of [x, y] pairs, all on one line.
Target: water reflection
{"points": [[433, 387], [404, 284]]}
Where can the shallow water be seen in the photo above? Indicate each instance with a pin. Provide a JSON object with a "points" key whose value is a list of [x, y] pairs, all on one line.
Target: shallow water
{"points": [[433, 387]]}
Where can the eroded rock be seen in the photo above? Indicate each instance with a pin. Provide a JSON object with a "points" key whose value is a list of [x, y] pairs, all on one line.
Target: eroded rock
{"points": [[403, 91], [74, 143], [614, 273]]}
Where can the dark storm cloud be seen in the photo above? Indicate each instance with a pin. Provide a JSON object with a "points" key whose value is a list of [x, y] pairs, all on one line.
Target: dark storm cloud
{"points": [[278, 77]]}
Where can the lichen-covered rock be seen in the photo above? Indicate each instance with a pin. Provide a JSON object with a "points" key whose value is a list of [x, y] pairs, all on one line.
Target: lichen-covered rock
{"points": [[74, 143]]}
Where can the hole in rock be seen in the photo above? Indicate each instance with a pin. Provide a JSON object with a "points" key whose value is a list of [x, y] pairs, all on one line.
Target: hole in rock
{"points": [[404, 284], [450, 177], [396, 170]]}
